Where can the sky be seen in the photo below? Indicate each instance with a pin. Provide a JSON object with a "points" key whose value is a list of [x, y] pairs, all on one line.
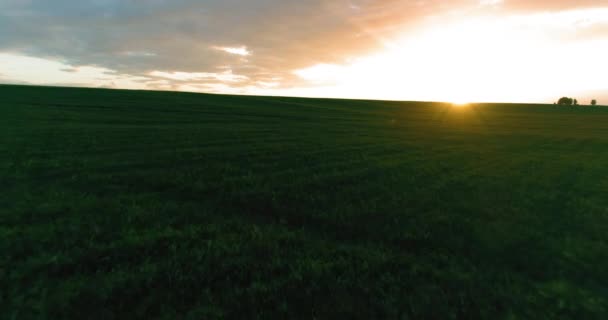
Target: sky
{"points": [[430, 50]]}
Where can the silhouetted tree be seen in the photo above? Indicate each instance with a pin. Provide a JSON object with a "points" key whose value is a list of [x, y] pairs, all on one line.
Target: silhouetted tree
{"points": [[565, 101], [575, 102], [594, 102]]}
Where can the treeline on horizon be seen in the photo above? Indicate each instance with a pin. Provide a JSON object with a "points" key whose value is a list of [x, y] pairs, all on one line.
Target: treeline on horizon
{"points": [[566, 101]]}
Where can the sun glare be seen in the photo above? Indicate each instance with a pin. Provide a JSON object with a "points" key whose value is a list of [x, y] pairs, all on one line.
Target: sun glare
{"points": [[478, 60], [459, 104]]}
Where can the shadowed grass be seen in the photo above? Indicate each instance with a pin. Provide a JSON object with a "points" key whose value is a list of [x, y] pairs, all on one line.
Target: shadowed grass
{"points": [[130, 204]]}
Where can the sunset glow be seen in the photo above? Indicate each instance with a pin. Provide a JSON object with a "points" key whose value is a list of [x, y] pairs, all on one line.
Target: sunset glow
{"points": [[459, 103], [480, 60], [473, 51]]}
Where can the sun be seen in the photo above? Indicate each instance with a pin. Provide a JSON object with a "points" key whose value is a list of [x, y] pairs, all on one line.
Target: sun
{"points": [[460, 103]]}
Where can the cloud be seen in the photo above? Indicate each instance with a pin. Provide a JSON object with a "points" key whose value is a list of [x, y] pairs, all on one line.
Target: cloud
{"points": [[226, 76], [491, 2], [232, 45], [139, 37], [552, 5], [239, 51]]}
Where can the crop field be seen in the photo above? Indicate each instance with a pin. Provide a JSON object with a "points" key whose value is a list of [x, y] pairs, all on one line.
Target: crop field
{"points": [[158, 205]]}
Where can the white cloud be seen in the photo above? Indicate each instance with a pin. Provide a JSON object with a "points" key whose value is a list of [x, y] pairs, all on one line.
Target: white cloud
{"points": [[239, 51]]}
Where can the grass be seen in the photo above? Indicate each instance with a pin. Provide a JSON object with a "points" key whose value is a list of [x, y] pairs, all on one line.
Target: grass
{"points": [[139, 205]]}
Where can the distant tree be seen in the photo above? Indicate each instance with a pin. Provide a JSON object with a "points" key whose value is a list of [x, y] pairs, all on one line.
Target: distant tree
{"points": [[565, 101], [594, 102], [575, 102]]}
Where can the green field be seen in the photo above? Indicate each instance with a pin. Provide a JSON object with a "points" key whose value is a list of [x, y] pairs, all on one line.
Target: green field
{"points": [[143, 205]]}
